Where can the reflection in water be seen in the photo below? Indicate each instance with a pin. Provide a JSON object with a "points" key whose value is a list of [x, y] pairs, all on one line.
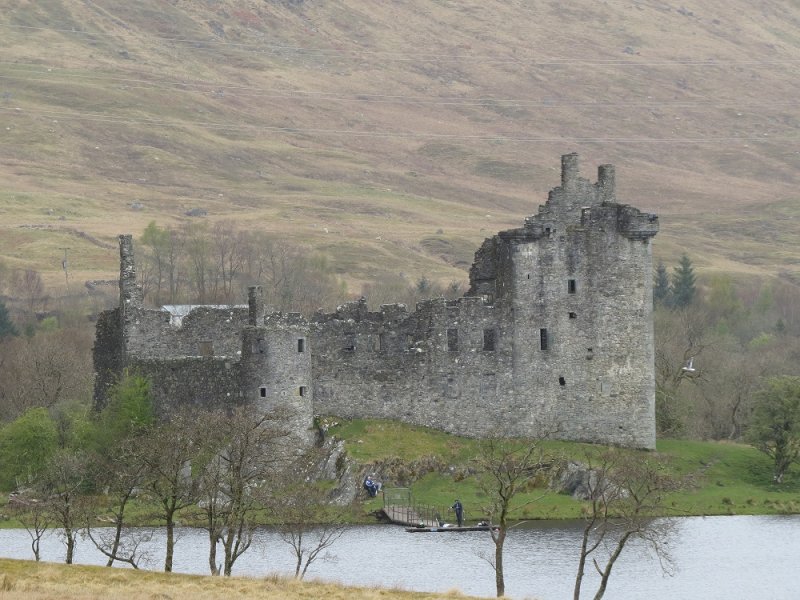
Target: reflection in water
{"points": [[726, 558]]}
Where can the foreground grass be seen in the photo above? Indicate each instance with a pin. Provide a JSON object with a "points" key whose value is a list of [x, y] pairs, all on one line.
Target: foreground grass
{"points": [[28, 580]]}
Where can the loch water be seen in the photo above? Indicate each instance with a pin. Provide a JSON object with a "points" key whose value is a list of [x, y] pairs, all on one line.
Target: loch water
{"points": [[724, 558]]}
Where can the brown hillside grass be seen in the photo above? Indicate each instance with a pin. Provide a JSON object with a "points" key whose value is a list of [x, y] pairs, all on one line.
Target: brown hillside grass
{"points": [[386, 122], [27, 580]]}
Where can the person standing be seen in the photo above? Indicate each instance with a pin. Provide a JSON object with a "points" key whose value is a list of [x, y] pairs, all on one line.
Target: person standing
{"points": [[458, 508]]}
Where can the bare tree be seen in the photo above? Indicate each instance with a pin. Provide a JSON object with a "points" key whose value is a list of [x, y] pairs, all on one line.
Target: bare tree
{"points": [[33, 513], [61, 487], [680, 336], [228, 249], [198, 250], [44, 370], [625, 492], [306, 521], [122, 470], [247, 448], [169, 450], [508, 468], [28, 285]]}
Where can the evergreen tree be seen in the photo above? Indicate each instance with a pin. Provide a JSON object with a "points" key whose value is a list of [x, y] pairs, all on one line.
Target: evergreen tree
{"points": [[661, 291], [7, 328], [683, 280]]}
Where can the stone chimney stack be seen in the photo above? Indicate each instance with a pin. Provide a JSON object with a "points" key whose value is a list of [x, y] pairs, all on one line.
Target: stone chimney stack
{"points": [[569, 171], [605, 183], [129, 292], [255, 302]]}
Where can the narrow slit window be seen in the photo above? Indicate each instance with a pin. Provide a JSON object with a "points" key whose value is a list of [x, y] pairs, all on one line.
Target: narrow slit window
{"points": [[488, 340], [302, 390], [571, 286], [301, 345], [262, 391], [543, 341], [452, 340], [573, 315], [350, 342], [562, 382]]}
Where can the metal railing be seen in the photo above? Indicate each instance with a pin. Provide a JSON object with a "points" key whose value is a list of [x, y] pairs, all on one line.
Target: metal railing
{"points": [[400, 507]]}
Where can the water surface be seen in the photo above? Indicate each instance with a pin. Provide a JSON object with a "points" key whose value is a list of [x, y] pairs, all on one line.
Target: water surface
{"points": [[716, 558]]}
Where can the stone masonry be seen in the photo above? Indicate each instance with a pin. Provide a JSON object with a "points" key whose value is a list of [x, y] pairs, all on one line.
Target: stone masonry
{"points": [[554, 338]]}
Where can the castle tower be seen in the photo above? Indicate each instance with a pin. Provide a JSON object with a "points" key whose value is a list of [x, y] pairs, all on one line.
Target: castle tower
{"points": [[575, 285], [276, 369]]}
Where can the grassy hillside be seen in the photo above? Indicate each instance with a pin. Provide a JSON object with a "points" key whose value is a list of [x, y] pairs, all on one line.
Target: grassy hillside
{"points": [[364, 129], [724, 478]]}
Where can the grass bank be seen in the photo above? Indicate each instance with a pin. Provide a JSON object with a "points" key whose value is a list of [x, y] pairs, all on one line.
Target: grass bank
{"points": [[725, 478], [29, 580]]}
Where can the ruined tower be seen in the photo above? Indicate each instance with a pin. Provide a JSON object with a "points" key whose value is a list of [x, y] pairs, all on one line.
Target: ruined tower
{"points": [[275, 367], [575, 286]]}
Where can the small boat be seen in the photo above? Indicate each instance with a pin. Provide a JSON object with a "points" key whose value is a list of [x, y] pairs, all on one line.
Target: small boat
{"points": [[450, 529]]}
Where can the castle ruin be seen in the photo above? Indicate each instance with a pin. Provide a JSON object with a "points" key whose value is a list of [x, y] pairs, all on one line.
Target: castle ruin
{"points": [[554, 338]]}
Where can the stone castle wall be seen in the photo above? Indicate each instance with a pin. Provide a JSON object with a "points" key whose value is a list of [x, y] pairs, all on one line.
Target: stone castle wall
{"points": [[553, 338]]}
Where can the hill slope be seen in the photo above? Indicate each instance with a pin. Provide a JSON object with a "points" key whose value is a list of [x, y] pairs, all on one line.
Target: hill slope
{"points": [[363, 129]]}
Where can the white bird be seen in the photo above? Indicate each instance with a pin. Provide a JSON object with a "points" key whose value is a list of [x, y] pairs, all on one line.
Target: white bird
{"points": [[689, 368]]}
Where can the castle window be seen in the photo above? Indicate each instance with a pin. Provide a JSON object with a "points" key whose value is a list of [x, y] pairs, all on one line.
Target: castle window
{"points": [[260, 346], [262, 391], [571, 287], [573, 315], [301, 345], [543, 339], [350, 342], [488, 340], [589, 353], [488, 299], [302, 390], [452, 340], [562, 382], [379, 342]]}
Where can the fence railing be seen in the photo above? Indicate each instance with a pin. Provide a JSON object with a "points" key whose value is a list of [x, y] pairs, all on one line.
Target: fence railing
{"points": [[400, 506]]}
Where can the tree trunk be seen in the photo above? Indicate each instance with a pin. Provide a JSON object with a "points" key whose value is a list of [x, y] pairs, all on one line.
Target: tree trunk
{"points": [[170, 543], [498, 561], [115, 545], [229, 558], [607, 571], [576, 594], [70, 544], [212, 551]]}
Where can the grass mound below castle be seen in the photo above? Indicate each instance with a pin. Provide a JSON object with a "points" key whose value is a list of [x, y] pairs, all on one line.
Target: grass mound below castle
{"points": [[725, 478]]}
